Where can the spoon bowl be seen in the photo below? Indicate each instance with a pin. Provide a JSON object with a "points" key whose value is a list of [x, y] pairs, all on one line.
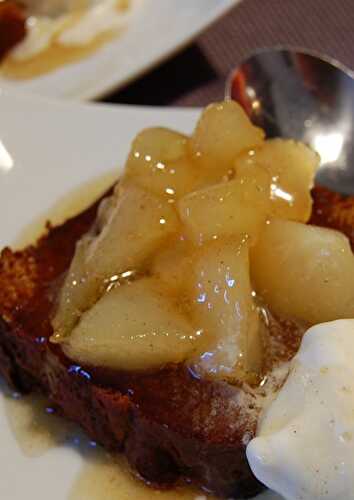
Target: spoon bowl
{"points": [[304, 96]]}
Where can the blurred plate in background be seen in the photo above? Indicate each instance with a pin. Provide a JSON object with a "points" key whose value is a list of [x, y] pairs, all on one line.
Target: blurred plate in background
{"points": [[158, 29]]}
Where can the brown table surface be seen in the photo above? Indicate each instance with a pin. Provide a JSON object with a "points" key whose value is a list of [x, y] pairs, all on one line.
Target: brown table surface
{"points": [[197, 75]]}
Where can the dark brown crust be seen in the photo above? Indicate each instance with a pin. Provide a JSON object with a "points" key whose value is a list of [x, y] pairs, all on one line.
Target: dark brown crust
{"points": [[169, 424], [12, 26]]}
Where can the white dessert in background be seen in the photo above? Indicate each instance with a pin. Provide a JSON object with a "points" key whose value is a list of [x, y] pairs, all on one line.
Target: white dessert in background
{"points": [[305, 444], [71, 23]]}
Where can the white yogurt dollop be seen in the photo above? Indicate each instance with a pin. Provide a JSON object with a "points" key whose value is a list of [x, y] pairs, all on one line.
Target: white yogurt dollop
{"points": [[304, 447]]}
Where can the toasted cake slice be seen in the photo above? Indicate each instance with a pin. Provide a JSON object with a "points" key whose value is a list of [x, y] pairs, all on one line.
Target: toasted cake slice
{"points": [[169, 424]]}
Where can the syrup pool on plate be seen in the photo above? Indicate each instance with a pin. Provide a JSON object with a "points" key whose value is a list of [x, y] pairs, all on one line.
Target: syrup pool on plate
{"points": [[37, 429]]}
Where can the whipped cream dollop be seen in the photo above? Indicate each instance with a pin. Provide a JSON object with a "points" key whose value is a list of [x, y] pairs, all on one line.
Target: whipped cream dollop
{"points": [[304, 448]]}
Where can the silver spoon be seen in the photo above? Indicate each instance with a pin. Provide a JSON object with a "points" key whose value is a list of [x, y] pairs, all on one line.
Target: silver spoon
{"points": [[300, 95]]}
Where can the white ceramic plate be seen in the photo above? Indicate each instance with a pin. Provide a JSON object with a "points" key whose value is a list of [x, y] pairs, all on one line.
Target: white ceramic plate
{"points": [[54, 150], [160, 28]]}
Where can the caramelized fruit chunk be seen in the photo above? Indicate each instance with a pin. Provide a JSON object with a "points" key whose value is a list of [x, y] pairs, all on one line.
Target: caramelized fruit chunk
{"points": [[132, 327], [222, 306], [292, 167], [238, 207], [164, 274], [223, 132], [135, 224], [157, 144], [158, 163], [138, 224], [77, 293], [173, 263], [304, 272]]}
